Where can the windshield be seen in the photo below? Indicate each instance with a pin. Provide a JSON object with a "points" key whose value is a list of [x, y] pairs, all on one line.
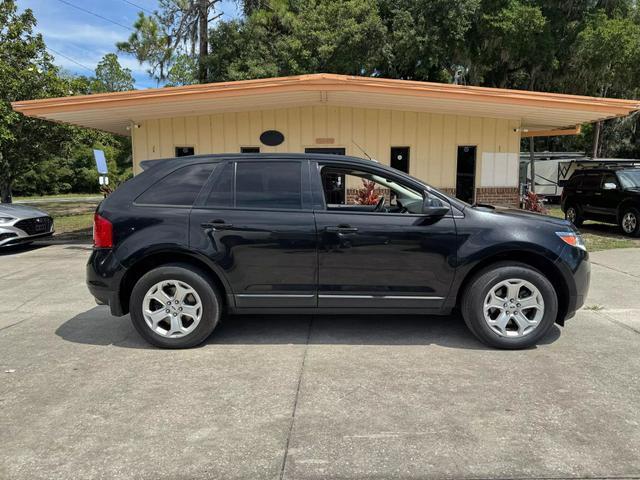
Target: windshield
{"points": [[629, 178]]}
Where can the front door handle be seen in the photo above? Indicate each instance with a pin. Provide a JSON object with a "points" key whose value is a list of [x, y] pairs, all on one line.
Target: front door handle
{"points": [[216, 225], [341, 229]]}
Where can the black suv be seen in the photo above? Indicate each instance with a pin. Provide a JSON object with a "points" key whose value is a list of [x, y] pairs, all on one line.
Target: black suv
{"points": [[192, 238], [609, 195]]}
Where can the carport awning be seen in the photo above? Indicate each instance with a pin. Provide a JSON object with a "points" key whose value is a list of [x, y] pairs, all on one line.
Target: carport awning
{"points": [[536, 111]]}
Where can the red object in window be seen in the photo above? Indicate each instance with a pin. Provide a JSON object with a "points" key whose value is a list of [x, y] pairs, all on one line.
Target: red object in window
{"points": [[102, 232]]}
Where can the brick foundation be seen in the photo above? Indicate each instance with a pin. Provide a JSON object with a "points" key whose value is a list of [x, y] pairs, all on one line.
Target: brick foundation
{"points": [[504, 196]]}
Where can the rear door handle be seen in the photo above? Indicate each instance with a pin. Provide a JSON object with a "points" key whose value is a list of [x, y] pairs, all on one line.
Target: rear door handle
{"points": [[216, 225], [341, 229]]}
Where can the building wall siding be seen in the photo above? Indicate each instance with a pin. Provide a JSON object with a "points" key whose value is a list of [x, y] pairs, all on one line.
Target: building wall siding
{"points": [[433, 138]]}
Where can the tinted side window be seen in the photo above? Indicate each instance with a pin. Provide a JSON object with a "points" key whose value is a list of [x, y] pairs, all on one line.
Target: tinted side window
{"points": [[575, 181], [591, 182], [266, 184], [178, 188], [221, 194]]}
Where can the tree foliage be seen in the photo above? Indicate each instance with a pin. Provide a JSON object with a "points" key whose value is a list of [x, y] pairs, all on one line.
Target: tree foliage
{"points": [[176, 29], [38, 156]]}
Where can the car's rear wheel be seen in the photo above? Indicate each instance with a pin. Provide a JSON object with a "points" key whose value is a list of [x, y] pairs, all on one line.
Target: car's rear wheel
{"points": [[175, 306], [572, 213], [630, 222], [509, 305]]}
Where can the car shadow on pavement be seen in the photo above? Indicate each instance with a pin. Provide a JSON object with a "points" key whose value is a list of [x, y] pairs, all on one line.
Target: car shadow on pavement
{"points": [[98, 327], [20, 248]]}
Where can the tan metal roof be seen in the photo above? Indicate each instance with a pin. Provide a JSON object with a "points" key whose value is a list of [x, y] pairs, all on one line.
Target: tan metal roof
{"points": [[537, 111]]}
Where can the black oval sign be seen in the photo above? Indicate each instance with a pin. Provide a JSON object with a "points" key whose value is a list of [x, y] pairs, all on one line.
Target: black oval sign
{"points": [[272, 138]]}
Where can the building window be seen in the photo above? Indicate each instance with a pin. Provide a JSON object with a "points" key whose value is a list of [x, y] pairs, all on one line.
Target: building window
{"points": [[185, 151], [400, 158], [249, 149]]}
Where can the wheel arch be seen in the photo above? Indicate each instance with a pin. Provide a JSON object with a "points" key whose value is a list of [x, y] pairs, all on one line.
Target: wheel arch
{"points": [[534, 260], [157, 259], [624, 205]]}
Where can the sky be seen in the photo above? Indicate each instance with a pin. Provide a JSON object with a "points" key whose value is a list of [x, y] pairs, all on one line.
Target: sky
{"points": [[79, 39]]}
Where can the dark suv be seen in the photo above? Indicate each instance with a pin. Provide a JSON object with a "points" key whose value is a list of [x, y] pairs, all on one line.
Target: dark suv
{"points": [[191, 238], [609, 195]]}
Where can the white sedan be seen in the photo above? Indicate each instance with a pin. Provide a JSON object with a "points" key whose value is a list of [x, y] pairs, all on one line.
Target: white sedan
{"points": [[23, 224]]}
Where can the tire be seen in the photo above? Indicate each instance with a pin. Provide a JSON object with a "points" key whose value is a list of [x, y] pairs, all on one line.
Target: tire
{"points": [[630, 222], [574, 211], [499, 278], [184, 324]]}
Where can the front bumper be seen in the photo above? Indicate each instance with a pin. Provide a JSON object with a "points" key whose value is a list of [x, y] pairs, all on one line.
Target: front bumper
{"points": [[576, 269], [12, 235]]}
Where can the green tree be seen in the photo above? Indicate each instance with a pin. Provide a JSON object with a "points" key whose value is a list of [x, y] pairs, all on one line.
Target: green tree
{"points": [[111, 76], [509, 45], [606, 61], [177, 28], [424, 37], [27, 72], [290, 38]]}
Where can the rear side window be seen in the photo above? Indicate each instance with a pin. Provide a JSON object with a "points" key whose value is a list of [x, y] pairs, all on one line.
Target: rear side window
{"points": [[266, 184], [179, 188], [575, 181], [591, 182]]}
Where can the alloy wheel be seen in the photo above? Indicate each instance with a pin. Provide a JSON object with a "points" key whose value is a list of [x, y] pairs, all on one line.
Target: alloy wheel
{"points": [[172, 308], [513, 308], [629, 222], [571, 214]]}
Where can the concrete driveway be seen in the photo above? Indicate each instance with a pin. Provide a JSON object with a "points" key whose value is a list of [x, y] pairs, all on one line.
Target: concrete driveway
{"points": [[81, 396]]}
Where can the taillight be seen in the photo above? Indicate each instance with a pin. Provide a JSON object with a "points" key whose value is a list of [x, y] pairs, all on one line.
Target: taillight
{"points": [[102, 232]]}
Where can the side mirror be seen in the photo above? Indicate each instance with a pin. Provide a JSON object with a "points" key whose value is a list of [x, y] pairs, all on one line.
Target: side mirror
{"points": [[610, 186], [432, 207]]}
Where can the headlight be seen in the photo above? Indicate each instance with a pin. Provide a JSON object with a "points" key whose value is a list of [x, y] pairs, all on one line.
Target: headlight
{"points": [[6, 220], [572, 238]]}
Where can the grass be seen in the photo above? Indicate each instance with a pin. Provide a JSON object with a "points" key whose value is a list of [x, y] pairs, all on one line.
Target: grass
{"points": [[72, 219], [600, 236], [79, 225]]}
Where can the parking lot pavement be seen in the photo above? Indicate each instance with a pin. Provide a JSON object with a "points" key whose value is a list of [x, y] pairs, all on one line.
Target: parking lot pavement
{"points": [[82, 396]]}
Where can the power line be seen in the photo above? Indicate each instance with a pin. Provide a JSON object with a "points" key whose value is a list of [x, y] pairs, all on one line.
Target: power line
{"points": [[95, 14], [138, 6], [70, 59]]}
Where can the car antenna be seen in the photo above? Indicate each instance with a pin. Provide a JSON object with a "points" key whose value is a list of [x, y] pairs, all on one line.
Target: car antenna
{"points": [[363, 151]]}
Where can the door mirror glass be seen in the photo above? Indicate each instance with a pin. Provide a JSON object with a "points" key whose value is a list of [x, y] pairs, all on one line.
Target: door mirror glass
{"points": [[610, 186]]}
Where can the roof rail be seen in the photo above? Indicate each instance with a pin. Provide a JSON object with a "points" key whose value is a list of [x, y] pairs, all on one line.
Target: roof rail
{"points": [[594, 164]]}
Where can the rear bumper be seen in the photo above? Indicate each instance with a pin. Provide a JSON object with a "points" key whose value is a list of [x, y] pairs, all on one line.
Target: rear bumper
{"points": [[104, 274]]}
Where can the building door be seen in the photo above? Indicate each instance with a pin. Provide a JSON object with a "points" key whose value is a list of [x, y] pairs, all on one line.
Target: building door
{"points": [[400, 158], [333, 184], [466, 174]]}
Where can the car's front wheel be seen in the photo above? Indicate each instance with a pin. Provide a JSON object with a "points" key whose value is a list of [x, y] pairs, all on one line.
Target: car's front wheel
{"points": [[509, 305], [630, 222], [175, 306]]}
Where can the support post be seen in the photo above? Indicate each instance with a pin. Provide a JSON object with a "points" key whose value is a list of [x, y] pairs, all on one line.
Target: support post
{"points": [[532, 164]]}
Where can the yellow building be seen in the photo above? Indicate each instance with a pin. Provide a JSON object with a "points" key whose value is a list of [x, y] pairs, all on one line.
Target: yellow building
{"points": [[464, 140]]}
